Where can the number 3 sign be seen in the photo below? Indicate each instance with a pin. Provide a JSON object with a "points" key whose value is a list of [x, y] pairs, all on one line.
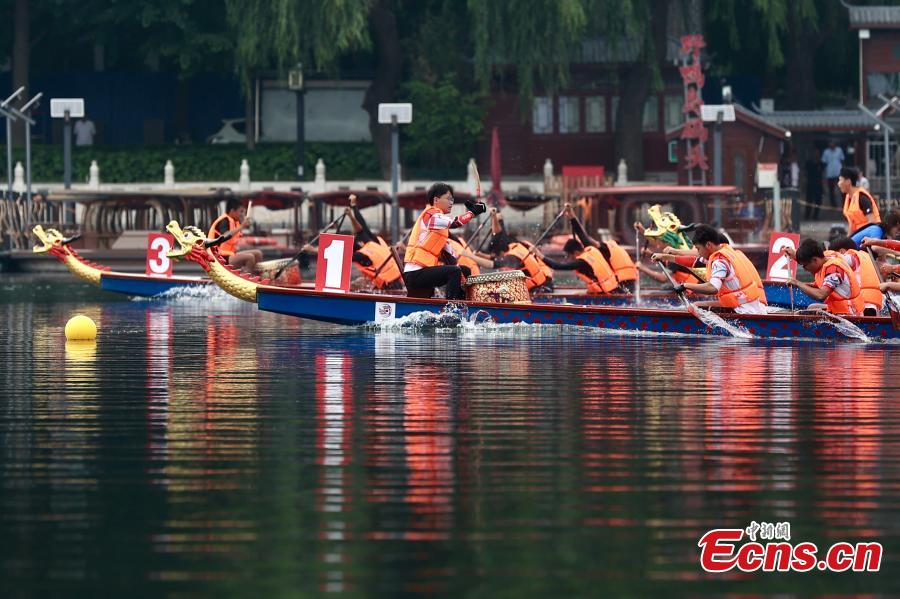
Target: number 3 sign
{"points": [[158, 264], [334, 263], [781, 268]]}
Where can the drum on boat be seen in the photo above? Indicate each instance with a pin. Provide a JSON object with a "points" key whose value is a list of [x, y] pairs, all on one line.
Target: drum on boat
{"points": [[507, 287], [269, 268]]}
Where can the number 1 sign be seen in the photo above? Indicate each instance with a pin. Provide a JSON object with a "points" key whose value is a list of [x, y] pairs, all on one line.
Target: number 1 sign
{"points": [[780, 267], [334, 263]]}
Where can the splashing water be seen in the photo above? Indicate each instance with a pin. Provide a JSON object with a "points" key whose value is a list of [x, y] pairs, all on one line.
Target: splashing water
{"points": [[844, 326], [713, 321], [192, 293]]}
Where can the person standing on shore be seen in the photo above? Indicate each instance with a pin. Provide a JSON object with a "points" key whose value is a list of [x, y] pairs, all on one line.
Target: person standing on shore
{"points": [[815, 173], [833, 159]]}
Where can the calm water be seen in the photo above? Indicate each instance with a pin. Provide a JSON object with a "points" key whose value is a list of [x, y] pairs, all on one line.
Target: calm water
{"points": [[203, 447]]}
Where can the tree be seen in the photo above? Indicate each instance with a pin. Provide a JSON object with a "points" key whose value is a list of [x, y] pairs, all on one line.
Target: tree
{"points": [[277, 34], [797, 46]]}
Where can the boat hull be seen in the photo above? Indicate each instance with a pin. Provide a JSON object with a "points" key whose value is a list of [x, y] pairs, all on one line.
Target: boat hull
{"points": [[777, 294], [145, 285], [356, 309]]}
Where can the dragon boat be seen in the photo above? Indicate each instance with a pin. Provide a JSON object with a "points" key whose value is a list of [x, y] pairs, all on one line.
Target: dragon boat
{"points": [[364, 308], [778, 295], [52, 242]]}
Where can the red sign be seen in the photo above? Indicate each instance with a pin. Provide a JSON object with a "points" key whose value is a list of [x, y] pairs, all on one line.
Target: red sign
{"points": [[334, 263], [780, 267], [158, 264]]}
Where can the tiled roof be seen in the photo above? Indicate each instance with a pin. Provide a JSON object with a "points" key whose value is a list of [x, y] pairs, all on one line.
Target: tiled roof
{"points": [[874, 16], [819, 120]]}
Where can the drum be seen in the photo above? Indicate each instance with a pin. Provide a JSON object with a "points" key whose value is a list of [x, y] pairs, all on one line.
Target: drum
{"points": [[507, 287], [269, 268]]}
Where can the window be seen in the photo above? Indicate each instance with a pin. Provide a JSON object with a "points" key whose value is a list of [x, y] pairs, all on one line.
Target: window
{"points": [[739, 170], [651, 114], [595, 114], [614, 108], [569, 114], [542, 115], [673, 151], [674, 116]]}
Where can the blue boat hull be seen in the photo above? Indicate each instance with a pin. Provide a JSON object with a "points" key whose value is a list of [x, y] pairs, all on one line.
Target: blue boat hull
{"points": [[777, 294], [144, 285], [356, 309]]}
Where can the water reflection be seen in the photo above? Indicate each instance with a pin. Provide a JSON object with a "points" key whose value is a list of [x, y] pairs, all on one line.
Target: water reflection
{"points": [[215, 445]]}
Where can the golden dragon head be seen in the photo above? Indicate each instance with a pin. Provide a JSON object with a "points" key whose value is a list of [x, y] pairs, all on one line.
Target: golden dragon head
{"points": [[186, 239], [51, 241], [668, 228]]}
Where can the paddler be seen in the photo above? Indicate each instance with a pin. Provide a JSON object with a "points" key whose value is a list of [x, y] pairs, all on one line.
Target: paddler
{"points": [[230, 225], [862, 266], [371, 253], [589, 265], [614, 255], [836, 284], [732, 277], [684, 269], [512, 254], [860, 208], [430, 260]]}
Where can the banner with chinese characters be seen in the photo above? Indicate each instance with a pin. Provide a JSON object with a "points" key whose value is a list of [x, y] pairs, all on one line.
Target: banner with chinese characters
{"points": [[694, 133]]}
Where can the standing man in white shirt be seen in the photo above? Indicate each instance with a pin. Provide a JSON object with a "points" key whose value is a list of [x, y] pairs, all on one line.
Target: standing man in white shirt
{"points": [[85, 131], [833, 159]]}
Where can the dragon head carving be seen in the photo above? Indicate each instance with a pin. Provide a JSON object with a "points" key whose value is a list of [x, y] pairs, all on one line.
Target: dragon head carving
{"points": [[51, 241], [186, 239]]}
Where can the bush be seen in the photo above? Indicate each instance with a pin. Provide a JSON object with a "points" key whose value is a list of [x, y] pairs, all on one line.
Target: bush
{"points": [[144, 164]]}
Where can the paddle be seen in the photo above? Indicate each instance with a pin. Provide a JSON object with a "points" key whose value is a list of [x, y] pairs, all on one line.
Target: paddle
{"points": [[891, 302], [474, 235], [338, 221], [637, 260], [535, 245], [687, 304]]}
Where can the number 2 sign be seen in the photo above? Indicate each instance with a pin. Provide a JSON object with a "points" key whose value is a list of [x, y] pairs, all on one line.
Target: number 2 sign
{"points": [[780, 267], [158, 264], [334, 263]]}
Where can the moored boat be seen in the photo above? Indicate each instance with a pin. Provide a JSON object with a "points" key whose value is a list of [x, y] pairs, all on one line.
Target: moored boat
{"points": [[133, 284], [364, 308]]}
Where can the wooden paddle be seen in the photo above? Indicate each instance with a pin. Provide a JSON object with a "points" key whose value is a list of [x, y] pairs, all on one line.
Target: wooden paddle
{"points": [[637, 260], [893, 308], [338, 221], [535, 245], [687, 304]]}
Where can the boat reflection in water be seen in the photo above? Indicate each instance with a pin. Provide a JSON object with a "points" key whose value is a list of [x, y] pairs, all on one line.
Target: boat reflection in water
{"points": [[231, 450]]}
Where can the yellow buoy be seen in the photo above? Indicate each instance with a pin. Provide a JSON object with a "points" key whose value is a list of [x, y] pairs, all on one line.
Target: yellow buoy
{"points": [[81, 328]]}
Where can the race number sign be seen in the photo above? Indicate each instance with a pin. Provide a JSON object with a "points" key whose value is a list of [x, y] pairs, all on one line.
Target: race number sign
{"points": [[334, 263], [780, 267], [158, 263]]}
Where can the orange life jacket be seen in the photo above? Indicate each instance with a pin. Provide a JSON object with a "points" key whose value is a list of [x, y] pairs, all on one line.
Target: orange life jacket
{"points": [[227, 248], [621, 262], [868, 280], [604, 279], [534, 268], [427, 252], [383, 270], [836, 303], [856, 218], [459, 247], [748, 289]]}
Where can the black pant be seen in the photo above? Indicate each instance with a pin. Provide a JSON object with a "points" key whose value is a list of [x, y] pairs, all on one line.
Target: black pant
{"points": [[833, 192], [421, 283], [813, 201]]}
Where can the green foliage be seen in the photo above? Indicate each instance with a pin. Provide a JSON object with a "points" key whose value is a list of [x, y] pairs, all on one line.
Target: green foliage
{"points": [[268, 162], [446, 127], [535, 36], [276, 34]]}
